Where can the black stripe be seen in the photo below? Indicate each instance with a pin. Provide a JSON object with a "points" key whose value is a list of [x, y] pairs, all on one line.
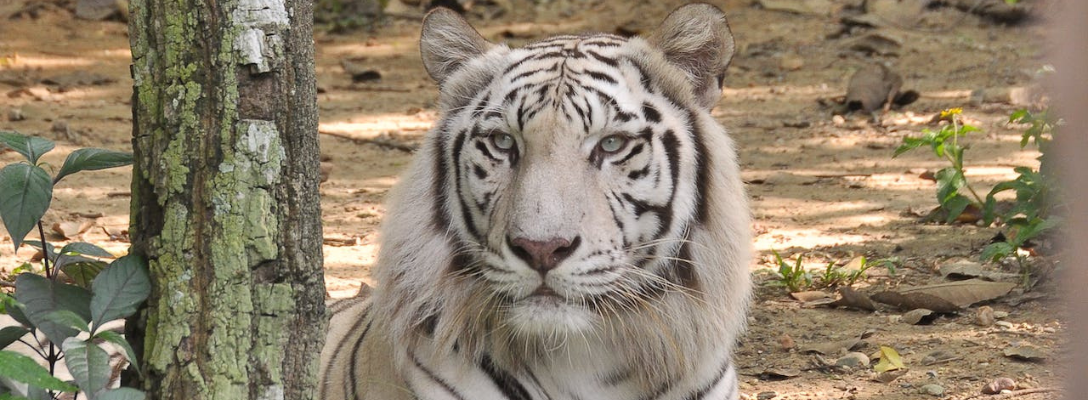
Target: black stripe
{"points": [[683, 265], [435, 378], [601, 76], [352, 388], [440, 219], [611, 62], [698, 394], [466, 213], [507, 384], [635, 150], [702, 169], [650, 113]]}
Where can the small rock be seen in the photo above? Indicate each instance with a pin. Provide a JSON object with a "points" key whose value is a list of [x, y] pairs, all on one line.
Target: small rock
{"points": [[984, 316], [791, 63], [785, 342], [1004, 324], [359, 72], [60, 127], [838, 120], [766, 395], [1025, 352], [1001, 314], [16, 114], [999, 384], [853, 360], [932, 389]]}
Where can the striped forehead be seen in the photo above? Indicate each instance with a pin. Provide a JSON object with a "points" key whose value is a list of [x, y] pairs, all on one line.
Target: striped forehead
{"points": [[579, 76]]}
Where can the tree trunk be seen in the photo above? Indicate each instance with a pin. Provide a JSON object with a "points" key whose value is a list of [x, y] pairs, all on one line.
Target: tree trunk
{"points": [[224, 199]]}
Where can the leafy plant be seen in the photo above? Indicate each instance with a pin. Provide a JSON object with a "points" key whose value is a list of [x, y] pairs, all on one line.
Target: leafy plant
{"points": [[796, 278], [1036, 194], [951, 180], [1036, 197], [70, 316]]}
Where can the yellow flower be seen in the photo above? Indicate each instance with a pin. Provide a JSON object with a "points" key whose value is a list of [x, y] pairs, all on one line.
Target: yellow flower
{"points": [[951, 111]]}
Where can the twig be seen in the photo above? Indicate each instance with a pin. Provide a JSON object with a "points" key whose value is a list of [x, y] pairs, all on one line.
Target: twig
{"points": [[6, 284], [377, 142], [1012, 394]]}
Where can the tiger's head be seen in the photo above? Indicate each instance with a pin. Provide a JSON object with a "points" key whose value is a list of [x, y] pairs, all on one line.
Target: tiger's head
{"points": [[574, 185]]}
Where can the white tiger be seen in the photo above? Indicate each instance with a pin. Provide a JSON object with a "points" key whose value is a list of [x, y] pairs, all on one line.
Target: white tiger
{"points": [[574, 227]]}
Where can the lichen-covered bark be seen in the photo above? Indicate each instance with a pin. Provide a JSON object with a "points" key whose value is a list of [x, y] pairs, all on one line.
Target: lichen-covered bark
{"points": [[225, 203]]}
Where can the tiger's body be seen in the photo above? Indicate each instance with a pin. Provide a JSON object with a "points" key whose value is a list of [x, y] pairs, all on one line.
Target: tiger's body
{"points": [[574, 227]]}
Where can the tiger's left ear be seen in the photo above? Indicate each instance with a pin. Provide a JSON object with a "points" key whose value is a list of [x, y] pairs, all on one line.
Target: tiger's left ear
{"points": [[696, 38]]}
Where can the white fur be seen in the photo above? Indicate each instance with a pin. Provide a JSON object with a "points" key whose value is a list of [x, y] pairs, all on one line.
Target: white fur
{"points": [[559, 347]]}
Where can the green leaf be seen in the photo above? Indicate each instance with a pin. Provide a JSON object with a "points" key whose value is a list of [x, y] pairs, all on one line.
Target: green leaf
{"points": [[121, 394], [86, 249], [117, 339], [92, 159], [909, 144], [82, 272], [88, 363], [21, 368], [11, 334], [49, 249], [40, 297], [119, 289], [14, 309], [30, 147], [25, 193], [67, 318], [994, 252], [955, 207]]}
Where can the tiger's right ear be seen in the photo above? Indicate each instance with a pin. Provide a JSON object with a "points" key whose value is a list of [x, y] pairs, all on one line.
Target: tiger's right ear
{"points": [[447, 42]]}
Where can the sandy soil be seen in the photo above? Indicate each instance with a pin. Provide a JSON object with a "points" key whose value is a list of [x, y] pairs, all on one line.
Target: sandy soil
{"points": [[822, 187]]}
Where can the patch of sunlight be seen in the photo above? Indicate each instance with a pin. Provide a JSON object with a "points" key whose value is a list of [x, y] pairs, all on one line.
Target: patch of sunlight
{"points": [[374, 125], [805, 238], [46, 62]]}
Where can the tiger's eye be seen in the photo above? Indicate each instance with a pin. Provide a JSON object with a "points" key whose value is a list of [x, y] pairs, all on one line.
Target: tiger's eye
{"points": [[612, 143], [502, 141]]}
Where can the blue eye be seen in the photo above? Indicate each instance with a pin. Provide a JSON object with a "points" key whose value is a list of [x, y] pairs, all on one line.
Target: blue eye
{"points": [[502, 141], [612, 144]]}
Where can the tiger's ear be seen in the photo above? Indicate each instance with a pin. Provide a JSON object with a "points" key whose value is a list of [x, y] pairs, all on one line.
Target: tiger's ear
{"points": [[696, 38], [447, 42]]}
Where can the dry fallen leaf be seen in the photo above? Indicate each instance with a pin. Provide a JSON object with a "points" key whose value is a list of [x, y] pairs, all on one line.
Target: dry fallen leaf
{"points": [[889, 360], [71, 229], [853, 299], [945, 297], [919, 316], [810, 296]]}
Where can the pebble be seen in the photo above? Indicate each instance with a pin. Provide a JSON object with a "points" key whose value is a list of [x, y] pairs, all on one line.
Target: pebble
{"points": [[933, 389], [785, 342], [984, 316], [1001, 314], [791, 63], [853, 360], [766, 395], [16, 114], [838, 120], [998, 385], [1004, 324]]}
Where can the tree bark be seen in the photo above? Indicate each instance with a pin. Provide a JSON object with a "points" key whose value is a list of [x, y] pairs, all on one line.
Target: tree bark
{"points": [[225, 201]]}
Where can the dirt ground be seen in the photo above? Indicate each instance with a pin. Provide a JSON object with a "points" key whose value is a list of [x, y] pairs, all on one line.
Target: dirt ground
{"points": [[820, 186]]}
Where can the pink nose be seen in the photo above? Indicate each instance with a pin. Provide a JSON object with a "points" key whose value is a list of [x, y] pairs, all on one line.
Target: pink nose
{"points": [[543, 256]]}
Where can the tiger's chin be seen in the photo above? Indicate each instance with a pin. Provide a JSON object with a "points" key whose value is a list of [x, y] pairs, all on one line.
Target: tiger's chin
{"points": [[548, 315]]}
